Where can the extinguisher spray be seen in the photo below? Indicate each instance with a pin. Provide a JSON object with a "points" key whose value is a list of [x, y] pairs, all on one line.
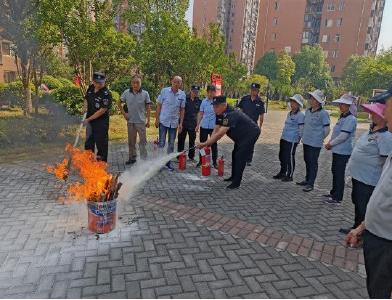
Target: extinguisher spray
{"points": [[205, 161], [182, 161], [221, 166]]}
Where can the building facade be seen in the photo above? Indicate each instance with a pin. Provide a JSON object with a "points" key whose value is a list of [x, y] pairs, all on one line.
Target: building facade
{"points": [[253, 28], [8, 70]]}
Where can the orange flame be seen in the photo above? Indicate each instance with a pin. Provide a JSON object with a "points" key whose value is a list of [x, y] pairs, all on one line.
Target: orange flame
{"points": [[97, 182]]}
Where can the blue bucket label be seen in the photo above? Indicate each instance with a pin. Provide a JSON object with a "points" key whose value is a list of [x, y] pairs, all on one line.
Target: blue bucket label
{"points": [[102, 209]]}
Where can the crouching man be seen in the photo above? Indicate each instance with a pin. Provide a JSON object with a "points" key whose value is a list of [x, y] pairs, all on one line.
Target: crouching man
{"points": [[241, 129]]}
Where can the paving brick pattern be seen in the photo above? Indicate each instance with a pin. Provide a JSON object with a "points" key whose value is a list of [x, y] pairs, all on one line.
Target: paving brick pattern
{"points": [[46, 252]]}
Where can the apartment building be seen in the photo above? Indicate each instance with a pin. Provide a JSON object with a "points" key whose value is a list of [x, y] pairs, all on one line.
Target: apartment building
{"points": [[8, 71]]}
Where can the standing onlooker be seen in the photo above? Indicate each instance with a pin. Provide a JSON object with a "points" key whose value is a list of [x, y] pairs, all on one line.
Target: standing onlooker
{"points": [[291, 135], [316, 129], [341, 144], [367, 160], [192, 107], [377, 228], [253, 106], [138, 111], [206, 120], [170, 114], [97, 103]]}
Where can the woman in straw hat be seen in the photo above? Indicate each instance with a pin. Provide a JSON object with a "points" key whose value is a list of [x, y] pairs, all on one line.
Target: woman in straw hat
{"points": [[316, 129], [341, 144], [291, 135], [367, 160]]}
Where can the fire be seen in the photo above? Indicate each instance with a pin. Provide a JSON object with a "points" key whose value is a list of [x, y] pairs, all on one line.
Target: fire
{"points": [[97, 184]]}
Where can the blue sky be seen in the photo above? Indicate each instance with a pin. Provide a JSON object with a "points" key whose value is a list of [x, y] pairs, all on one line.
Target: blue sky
{"points": [[384, 42]]}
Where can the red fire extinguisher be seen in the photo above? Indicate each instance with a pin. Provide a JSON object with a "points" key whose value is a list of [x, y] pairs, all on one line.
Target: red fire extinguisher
{"points": [[221, 166], [205, 161], [182, 161]]}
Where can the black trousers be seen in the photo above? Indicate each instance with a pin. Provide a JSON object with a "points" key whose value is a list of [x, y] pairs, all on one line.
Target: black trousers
{"points": [[191, 137], [311, 155], [378, 264], [239, 158], [204, 133], [97, 135], [338, 169], [360, 196], [287, 157]]}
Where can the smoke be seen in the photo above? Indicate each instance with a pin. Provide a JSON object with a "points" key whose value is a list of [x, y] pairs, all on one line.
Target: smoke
{"points": [[134, 178]]}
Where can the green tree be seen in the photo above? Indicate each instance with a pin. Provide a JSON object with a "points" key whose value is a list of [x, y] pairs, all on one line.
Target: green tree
{"points": [[311, 68], [285, 72], [350, 74], [267, 65]]}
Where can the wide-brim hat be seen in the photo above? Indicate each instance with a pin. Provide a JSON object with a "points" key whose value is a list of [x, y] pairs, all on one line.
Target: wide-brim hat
{"points": [[376, 108], [318, 95], [345, 99], [298, 98], [381, 98]]}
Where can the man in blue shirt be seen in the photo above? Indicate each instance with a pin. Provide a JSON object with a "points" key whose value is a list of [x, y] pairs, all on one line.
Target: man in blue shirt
{"points": [[316, 129], [253, 107], [170, 114], [206, 122], [341, 144]]}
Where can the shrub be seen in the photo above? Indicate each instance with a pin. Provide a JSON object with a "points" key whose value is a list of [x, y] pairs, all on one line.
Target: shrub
{"points": [[12, 93], [115, 110], [52, 82], [65, 81], [70, 97], [120, 85]]}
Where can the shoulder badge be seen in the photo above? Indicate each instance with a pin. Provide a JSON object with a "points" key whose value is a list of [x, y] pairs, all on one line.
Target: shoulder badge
{"points": [[105, 101], [225, 122]]}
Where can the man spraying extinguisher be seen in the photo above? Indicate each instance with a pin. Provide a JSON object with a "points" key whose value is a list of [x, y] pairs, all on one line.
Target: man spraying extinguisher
{"points": [[241, 129]]}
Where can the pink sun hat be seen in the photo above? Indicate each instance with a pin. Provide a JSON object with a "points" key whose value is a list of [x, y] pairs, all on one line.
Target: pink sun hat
{"points": [[376, 108]]}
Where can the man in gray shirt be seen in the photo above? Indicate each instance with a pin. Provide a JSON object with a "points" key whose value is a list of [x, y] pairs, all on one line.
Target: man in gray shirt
{"points": [[376, 230], [137, 113]]}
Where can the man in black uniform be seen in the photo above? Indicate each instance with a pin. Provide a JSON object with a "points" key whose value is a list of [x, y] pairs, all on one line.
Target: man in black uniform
{"points": [[192, 107], [97, 103], [253, 106], [241, 129]]}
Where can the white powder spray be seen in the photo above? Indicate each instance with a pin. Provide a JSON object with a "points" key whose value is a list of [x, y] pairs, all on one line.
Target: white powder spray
{"points": [[139, 173]]}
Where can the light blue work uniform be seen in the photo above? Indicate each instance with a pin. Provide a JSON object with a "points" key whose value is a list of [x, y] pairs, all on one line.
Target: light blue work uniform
{"points": [[290, 131], [314, 127], [209, 118], [171, 103], [348, 124], [368, 157]]}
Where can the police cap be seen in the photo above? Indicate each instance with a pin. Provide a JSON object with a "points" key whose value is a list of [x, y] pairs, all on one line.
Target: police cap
{"points": [[382, 98], [255, 86], [99, 77], [218, 100], [195, 88]]}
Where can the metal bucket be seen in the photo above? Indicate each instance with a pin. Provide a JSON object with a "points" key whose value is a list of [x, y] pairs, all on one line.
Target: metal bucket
{"points": [[102, 216]]}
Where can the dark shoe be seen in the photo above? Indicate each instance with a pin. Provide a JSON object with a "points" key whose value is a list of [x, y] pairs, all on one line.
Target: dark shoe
{"points": [[308, 188], [278, 176], [215, 166], [327, 195], [302, 183], [233, 186], [228, 179], [130, 161], [198, 165], [345, 230], [332, 201], [249, 163], [287, 179]]}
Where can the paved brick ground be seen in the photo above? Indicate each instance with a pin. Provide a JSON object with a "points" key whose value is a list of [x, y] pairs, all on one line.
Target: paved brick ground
{"points": [[157, 251]]}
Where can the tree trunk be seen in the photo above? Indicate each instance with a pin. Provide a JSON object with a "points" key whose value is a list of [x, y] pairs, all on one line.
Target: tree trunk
{"points": [[28, 105]]}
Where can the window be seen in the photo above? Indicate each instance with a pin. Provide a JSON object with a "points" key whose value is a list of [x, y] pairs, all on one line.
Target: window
{"points": [[275, 21], [326, 53], [337, 38], [325, 38], [287, 49], [334, 53], [330, 7], [276, 5], [333, 68], [339, 22], [5, 48], [306, 34], [341, 5], [328, 22], [9, 76], [274, 36]]}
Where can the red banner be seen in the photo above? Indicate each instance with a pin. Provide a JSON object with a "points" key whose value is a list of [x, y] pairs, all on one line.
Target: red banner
{"points": [[216, 79]]}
